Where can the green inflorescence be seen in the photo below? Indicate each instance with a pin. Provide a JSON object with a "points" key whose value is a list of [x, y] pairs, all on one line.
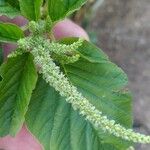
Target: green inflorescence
{"points": [[45, 52], [63, 53], [51, 73], [17, 52]]}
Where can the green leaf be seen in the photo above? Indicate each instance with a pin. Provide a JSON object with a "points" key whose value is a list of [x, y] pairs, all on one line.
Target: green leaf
{"points": [[10, 32], [7, 8], [31, 9], [19, 79], [1, 54], [14, 3], [2, 2], [88, 51], [59, 9], [57, 126], [1, 57]]}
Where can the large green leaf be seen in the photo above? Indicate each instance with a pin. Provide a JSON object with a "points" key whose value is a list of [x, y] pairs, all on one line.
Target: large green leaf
{"points": [[57, 126], [18, 80], [9, 8], [10, 32], [59, 9], [31, 8]]}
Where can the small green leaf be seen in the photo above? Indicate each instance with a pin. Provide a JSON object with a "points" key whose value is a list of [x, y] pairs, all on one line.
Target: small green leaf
{"points": [[102, 83], [18, 80], [10, 32], [59, 9], [31, 8], [14, 3], [7, 8]]}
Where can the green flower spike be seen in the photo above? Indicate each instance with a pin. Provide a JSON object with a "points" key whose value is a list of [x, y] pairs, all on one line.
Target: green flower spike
{"points": [[53, 76]]}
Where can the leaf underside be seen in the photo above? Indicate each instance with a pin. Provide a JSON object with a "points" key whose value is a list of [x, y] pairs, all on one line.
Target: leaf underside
{"points": [[102, 83]]}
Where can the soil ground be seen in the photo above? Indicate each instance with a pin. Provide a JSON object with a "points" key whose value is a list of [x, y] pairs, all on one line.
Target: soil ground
{"points": [[123, 32]]}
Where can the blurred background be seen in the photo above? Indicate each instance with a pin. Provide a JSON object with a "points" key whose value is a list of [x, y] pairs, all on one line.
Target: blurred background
{"points": [[121, 28]]}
